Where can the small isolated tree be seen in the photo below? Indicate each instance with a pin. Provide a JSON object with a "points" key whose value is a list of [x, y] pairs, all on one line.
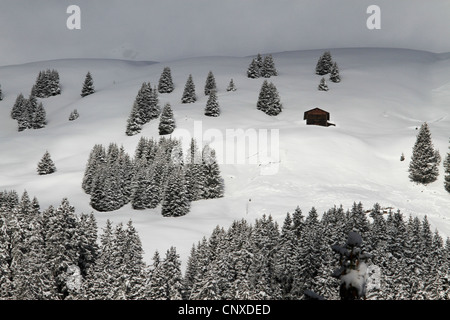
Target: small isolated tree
{"points": [[423, 167], [46, 165], [1, 93], [167, 121], [334, 73], [447, 172], [165, 84], [323, 85], [231, 86], [210, 83], [74, 115], [88, 86], [189, 95], [212, 106]]}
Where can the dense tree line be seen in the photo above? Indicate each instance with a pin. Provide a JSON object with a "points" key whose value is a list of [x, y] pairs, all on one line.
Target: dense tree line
{"points": [[158, 174], [56, 254], [261, 261]]}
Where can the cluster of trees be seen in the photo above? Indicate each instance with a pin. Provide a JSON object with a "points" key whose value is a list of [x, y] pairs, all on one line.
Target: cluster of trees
{"points": [[56, 254], [261, 261], [158, 174], [145, 108], [47, 84], [262, 67], [425, 160], [326, 65], [269, 99], [28, 112]]}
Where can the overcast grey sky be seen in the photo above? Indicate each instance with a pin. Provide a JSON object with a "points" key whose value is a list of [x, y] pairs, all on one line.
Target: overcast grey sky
{"points": [[162, 30]]}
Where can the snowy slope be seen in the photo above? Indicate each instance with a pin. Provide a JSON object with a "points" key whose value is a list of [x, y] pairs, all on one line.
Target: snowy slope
{"points": [[385, 94]]}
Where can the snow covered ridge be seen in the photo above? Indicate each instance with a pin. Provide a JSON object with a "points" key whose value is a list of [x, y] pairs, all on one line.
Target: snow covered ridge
{"points": [[383, 96]]}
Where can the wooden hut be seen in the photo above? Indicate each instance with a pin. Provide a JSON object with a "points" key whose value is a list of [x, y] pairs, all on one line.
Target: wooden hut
{"points": [[317, 117]]}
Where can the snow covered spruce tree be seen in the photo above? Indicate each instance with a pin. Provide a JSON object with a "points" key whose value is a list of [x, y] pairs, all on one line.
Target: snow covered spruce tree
{"points": [[269, 99], [74, 115], [334, 73], [46, 165], [145, 108], [212, 108], [231, 86], [353, 269], [268, 68], [423, 167], [324, 64], [1, 93], [18, 107], [253, 70], [213, 186], [88, 85], [167, 121], [447, 172], [165, 84], [175, 202], [189, 95], [323, 85], [210, 84]]}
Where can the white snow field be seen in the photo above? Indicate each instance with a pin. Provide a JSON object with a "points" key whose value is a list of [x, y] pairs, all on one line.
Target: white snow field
{"points": [[384, 95]]}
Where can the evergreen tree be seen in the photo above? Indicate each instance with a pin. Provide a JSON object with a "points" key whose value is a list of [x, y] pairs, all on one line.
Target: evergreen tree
{"points": [[324, 64], [253, 70], [165, 84], [423, 167], [134, 122], [171, 270], [88, 85], [447, 172], [19, 107], [38, 117], [334, 73], [167, 121], [323, 85], [268, 67], [46, 165], [231, 86], [269, 99], [213, 182], [1, 93], [194, 175], [212, 108], [189, 95], [210, 84], [74, 115], [175, 201]]}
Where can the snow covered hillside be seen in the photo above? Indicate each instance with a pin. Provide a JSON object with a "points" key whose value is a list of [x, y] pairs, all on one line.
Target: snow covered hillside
{"points": [[384, 95]]}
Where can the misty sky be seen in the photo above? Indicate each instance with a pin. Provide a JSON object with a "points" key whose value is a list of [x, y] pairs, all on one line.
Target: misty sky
{"points": [[162, 30]]}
